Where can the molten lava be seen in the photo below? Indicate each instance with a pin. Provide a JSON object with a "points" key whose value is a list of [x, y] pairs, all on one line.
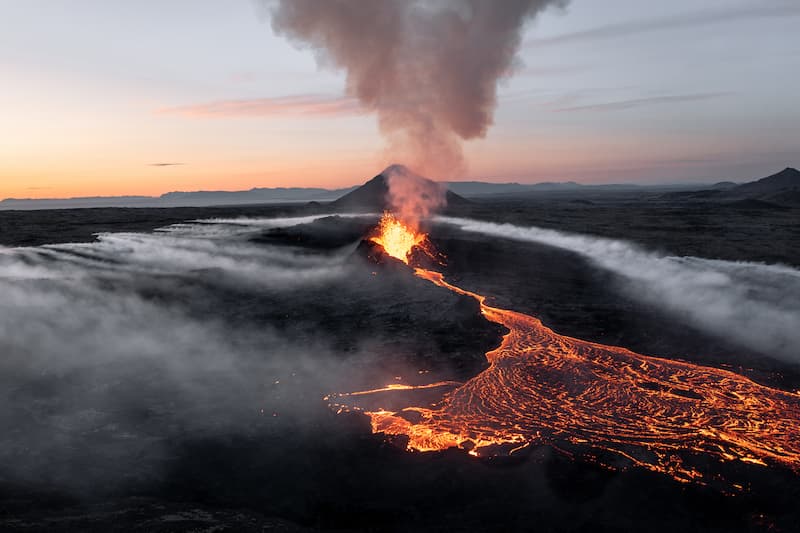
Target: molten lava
{"points": [[603, 403], [398, 239]]}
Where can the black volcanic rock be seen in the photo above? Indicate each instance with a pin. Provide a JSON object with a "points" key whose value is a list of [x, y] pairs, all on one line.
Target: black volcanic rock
{"points": [[328, 233], [787, 197], [754, 204], [374, 194]]}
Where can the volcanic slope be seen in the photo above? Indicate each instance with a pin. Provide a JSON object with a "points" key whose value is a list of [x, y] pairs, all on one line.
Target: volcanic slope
{"points": [[374, 194]]}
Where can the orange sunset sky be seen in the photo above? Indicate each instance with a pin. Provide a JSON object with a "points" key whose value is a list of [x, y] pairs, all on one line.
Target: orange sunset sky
{"points": [[96, 96]]}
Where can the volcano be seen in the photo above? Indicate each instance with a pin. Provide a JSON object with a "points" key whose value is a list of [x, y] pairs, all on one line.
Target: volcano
{"points": [[782, 188], [787, 179], [374, 194]]}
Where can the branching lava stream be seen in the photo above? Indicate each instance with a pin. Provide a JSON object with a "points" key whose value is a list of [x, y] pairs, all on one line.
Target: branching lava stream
{"points": [[608, 404]]}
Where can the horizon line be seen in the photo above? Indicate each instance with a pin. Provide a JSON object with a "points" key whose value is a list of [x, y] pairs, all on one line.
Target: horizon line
{"points": [[134, 196]]}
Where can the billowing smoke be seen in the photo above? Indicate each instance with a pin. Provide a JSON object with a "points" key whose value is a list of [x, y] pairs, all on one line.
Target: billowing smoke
{"points": [[413, 197], [115, 350], [428, 69], [754, 304]]}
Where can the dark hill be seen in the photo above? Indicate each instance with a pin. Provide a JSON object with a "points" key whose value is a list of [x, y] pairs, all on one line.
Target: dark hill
{"points": [[787, 179], [374, 194], [781, 189], [370, 195]]}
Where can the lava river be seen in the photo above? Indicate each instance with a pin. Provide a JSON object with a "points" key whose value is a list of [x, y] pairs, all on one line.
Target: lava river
{"points": [[609, 405]]}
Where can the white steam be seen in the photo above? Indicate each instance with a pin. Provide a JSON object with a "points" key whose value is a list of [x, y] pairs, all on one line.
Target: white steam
{"points": [[754, 304], [412, 197], [109, 349]]}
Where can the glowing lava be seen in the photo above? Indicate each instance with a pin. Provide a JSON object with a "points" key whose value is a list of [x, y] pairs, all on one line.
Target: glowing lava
{"points": [[603, 403], [397, 238]]}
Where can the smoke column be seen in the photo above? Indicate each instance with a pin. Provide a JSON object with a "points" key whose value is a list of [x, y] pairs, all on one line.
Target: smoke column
{"points": [[428, 69], [413, 197]]}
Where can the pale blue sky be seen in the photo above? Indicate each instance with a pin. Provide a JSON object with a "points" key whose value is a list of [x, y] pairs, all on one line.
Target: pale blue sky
{"points": [[607, 91]]}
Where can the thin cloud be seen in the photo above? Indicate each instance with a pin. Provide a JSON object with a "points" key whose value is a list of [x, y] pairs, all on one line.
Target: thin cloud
{"points": [[684, 20], [298, 105], [641, 102], [165, 164]]}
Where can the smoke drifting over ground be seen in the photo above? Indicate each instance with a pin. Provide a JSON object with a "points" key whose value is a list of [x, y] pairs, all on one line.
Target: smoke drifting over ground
{"points": [[120, 355], [175, 380], [429, 69], [113, 349], [754, 304]]}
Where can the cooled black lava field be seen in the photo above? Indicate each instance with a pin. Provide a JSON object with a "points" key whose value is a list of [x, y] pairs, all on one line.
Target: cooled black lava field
{"points": [[168, 369]]}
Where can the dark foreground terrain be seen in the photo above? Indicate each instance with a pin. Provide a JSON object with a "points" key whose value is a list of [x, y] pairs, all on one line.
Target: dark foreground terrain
{"points": [[206, 412]]}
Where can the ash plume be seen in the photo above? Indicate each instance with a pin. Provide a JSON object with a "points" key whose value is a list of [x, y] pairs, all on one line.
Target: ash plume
{"points": [[428, 69]]}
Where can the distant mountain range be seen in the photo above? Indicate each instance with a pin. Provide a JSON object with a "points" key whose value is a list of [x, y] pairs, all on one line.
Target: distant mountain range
{"points": [[479, 188], [186, 199], [782, 188]]}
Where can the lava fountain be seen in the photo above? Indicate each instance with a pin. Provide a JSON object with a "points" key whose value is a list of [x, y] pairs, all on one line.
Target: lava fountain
{"points": [[605, 404], [400, 239]]}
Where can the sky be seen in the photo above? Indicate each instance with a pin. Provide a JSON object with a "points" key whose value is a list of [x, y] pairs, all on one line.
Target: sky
{"points": [[110, 97]]}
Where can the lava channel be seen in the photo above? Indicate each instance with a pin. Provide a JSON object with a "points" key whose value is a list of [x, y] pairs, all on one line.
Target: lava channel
{"points": [[607, 404]]}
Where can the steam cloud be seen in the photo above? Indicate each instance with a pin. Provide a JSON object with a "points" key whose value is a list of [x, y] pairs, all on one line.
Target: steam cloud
{"points": [[429, 69], [755, 304], [113, 350], [413, 197]]}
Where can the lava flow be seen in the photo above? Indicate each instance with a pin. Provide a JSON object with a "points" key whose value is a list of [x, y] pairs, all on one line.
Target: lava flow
{"points": [[604, 403]]}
